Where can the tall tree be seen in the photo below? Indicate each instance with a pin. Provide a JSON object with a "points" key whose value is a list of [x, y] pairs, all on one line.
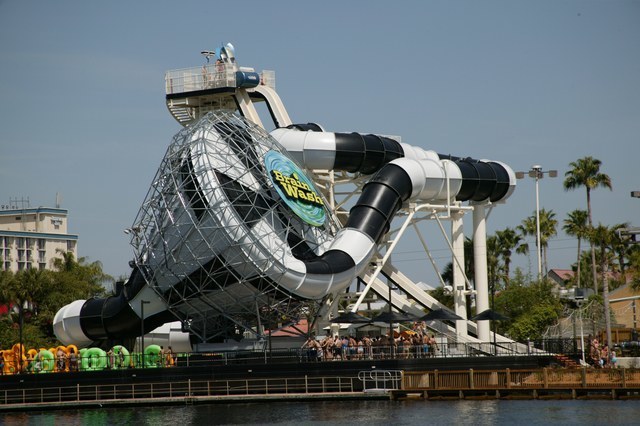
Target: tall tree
{"points": [[620, 246], [493, 260], [576, 225], [508, 240], [603, 236], [548, 230], [586, 172]]}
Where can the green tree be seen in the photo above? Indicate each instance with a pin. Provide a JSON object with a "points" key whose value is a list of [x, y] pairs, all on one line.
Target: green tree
{"points": [[508, 241], [634, 266], [548, 230], [576, 225], [586, 172], [24, 291], [530, 308], [38, 294], [620, 246], [602, 237], [469, 270], [493, 261]]}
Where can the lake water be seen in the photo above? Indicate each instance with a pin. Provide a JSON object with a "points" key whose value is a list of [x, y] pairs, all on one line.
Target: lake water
{"points": [[371, 412]]}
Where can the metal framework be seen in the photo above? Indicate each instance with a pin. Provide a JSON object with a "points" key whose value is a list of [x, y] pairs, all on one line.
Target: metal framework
{"points": [[192, 257]]}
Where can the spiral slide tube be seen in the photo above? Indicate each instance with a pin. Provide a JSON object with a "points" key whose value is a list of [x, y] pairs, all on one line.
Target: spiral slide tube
{"points": [[402, 173], [475, 180]]}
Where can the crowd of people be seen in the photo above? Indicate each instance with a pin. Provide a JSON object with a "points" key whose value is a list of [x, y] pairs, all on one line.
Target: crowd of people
{"points": [[416, 343], [601, 355]]}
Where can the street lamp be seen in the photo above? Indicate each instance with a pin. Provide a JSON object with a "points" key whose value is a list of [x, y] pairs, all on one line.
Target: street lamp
{"points": [[537, 173], [142, 303]]}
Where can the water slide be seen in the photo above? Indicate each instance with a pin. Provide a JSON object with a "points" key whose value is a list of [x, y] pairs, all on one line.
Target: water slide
{"points": [[232, 220]]}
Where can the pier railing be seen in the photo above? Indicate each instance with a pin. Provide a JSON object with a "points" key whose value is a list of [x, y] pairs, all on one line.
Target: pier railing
{"points": [[545, 378], [179, 390], [616, 382]]}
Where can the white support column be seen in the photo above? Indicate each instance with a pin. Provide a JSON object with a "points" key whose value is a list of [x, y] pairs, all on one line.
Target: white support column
{"points": [[480, 265], [459, 285]]}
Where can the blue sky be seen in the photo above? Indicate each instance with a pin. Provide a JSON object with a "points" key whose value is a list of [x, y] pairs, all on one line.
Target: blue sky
{"points": [[82, 109]]}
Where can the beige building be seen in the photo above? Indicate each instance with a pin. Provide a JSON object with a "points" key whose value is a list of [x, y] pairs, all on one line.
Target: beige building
{"points": [[32, 237]]}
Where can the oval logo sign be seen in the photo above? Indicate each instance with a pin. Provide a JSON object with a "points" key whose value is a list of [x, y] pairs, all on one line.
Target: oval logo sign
{"points": [[295, 188]]}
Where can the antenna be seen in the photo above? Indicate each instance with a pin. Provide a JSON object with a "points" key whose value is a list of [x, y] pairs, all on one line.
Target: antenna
{"points": [[58, 200]]}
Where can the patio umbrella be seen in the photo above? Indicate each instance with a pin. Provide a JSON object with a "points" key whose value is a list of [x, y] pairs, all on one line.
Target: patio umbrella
{"points": [[489, 314], [393, 317], [440, 314], [350, 317]]}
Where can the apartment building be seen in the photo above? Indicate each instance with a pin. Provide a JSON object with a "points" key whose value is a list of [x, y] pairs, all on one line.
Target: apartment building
{"points": [[31, 237]]}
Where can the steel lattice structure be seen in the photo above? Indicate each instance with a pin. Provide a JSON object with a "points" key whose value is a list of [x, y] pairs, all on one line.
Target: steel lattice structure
{"points": [[190, 254]]}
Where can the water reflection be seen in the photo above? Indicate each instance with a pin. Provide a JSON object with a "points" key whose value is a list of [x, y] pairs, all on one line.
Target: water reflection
{"points": [[370, 413]]}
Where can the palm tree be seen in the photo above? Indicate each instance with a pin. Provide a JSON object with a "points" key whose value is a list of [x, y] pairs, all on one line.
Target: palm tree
{"points": [[493, 260], [576, 226], [603, 237], [586, 172], [508, 240], [619, 246], [548, 225], [469, 270]]}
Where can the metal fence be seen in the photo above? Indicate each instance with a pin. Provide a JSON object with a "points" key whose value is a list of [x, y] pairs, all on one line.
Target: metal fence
{"points": [[181, 389]]}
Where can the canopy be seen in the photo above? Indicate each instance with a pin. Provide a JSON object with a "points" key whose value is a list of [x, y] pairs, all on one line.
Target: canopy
{"points": [[489, 314], [350, 317], [393, 317], [440, 314]]}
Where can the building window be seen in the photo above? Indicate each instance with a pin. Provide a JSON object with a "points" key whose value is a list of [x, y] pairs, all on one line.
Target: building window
{"points": [[70, 245]]}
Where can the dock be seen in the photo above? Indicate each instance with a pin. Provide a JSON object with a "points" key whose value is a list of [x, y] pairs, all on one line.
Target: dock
{"points": [[382, 384]]}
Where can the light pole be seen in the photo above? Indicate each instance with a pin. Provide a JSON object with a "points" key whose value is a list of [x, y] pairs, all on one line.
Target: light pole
{"points": [[142, 303], [537, 173]]}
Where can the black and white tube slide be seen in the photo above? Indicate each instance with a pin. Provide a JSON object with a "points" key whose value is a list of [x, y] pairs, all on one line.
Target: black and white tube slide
{"points": [[469, 179], [84, 321], [400, 173]]}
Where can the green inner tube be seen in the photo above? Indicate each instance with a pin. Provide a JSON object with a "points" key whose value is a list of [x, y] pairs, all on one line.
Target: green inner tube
{"points": [[122, 357], [152, 356], [47, 361], [93, 359]]}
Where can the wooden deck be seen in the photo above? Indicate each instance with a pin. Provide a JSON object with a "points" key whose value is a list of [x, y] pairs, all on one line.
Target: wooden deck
{"points": [[545, 383]]}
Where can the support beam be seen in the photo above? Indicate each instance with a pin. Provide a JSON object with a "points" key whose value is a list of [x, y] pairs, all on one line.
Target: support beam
{"points": [[480, 265], [459, 284]]}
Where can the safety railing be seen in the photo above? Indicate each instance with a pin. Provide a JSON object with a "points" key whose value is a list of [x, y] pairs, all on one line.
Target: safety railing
{"points": [[209, 76], [181, 389], [380, 380], [583, 378]]}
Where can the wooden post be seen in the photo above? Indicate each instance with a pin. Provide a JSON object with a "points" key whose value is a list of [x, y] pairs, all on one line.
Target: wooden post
{"points": [[624, 378], [584, 377], [545, 378], [508, 374], [435, 379], [471, 385]]}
